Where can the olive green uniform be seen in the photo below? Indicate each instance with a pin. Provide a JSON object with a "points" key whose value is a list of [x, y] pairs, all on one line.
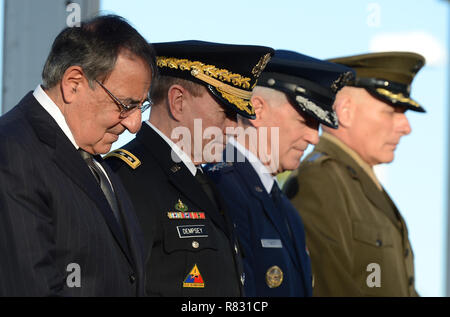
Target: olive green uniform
{"points": [[353, 229]]}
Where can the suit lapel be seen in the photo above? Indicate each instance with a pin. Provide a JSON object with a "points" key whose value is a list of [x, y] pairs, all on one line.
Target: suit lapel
{"points": [[70, 162], [131, 229]]}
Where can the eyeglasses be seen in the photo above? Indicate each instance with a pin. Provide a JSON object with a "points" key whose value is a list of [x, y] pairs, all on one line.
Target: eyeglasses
{"points": [[126, 110]]}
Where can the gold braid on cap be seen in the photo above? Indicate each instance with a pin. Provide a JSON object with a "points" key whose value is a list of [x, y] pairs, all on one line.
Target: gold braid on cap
{"points": [[397, 97], [216, 78]]}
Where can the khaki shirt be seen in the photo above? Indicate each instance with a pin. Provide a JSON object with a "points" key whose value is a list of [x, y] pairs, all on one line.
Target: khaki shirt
{"points": [[357, 239]]}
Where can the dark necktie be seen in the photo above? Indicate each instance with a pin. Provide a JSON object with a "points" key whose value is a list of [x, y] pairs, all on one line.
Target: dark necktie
{"points": [[275, 193], [103, 182], [277, 198], [206, 186]]}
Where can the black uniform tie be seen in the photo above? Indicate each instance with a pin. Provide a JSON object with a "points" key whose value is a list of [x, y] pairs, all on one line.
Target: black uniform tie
{"points": [[103, 182], [277, 198], [275, 193]]}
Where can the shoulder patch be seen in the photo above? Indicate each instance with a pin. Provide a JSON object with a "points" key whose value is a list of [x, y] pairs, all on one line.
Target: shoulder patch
{"points": [[125, 156]]}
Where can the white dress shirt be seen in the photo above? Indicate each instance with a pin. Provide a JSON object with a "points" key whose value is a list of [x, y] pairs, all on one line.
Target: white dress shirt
{"points": [[54, 112]]}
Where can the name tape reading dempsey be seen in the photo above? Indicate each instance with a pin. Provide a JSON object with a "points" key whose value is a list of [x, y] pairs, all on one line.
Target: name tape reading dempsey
{"points": [[192, 231]]}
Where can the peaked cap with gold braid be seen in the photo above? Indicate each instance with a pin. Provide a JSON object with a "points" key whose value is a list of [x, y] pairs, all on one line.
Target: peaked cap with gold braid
{"points": [[386, 75], [229, 72]]}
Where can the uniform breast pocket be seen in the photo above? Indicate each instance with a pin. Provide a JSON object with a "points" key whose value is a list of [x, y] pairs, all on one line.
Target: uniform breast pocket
{"points": [[372, 234], [188, 236]]}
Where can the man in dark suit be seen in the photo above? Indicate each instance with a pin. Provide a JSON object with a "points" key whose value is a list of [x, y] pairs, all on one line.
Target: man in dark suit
{"points": [[190, 246], [293, 95], [67, 227]]}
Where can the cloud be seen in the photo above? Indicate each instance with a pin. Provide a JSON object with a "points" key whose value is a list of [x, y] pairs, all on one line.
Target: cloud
{"points": [[417, 41]]}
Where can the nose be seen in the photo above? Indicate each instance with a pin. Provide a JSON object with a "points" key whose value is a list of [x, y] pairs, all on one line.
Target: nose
{"points": [[133, 122], [312, 135], [403, 124]]}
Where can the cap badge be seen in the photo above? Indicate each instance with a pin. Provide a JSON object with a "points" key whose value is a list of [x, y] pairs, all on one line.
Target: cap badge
{"points": [[257, 70]]}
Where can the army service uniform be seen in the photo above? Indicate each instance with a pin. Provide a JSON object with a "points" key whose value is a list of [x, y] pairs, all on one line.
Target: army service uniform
{"points": [[187, 237], [191, 248]]}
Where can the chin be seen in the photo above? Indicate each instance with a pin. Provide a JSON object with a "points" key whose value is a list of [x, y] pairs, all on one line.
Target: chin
{"points": [[102, 148], [289, 166], [385, 159]]}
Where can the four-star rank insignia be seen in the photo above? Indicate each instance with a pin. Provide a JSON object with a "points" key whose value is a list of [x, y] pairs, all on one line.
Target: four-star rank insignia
{"points": [[194, 279]]}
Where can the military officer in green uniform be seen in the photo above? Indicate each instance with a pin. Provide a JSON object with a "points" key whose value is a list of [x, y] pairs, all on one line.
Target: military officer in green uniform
{"points": [[357, 239], [190, 246]]}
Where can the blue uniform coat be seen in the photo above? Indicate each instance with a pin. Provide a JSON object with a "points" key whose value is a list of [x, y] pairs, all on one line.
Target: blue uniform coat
{"points": [[268, 235]]}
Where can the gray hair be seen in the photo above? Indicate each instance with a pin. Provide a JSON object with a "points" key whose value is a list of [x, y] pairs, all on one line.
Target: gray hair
{"points": [[95, 46], [272, 96]]}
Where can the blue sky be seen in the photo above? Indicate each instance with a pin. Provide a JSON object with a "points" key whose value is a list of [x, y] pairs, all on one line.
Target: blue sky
{"points": [[324, 29]]}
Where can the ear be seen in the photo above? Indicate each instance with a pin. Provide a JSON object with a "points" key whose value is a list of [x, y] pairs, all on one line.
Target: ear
{"points": [[261, 107], [72, 82], [345, 109], [176, 100]]}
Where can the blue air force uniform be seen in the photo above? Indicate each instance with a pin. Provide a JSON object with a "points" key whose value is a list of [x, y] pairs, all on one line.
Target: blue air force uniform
{"points": [[270, 231]]}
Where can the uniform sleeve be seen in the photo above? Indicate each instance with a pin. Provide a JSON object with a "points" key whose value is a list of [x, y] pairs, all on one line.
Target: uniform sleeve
{"points": [[323, 208], [26, 229]]}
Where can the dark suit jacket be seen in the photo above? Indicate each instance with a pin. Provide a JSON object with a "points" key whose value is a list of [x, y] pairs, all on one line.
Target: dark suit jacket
{"points": [[269, 235], [53, 213], [155, 187], [353, 229]]}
